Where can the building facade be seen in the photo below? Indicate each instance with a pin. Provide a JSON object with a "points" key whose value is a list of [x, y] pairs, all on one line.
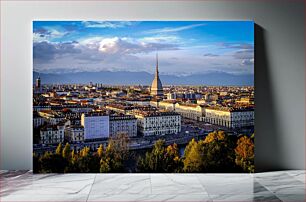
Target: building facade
{"points": [[125, 124], [74, 133], [158, 123], [230, 118], [165, 104], [51, 117], [190, 111], [37, 120], [96, 125], [52, 134]]}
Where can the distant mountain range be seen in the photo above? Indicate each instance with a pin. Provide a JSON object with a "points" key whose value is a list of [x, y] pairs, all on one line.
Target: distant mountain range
{"points": [[144, 78]]}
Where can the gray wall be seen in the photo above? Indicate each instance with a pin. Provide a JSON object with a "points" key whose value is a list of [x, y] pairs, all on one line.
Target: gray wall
{"points": [[279, 67]]}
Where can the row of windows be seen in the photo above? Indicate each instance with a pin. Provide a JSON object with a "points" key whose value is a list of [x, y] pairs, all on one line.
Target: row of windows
{"points": [[159, 127]]}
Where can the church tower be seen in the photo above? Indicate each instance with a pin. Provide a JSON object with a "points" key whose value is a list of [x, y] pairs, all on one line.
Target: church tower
{"points": [[156, 87], [38, 83], [38, 87]]}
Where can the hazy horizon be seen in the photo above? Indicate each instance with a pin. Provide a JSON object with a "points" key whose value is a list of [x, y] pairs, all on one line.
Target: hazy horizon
{"points": [[144, 78]]}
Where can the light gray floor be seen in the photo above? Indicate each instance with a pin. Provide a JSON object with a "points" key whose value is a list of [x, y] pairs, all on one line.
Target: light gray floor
{"points": [[270, 186]]}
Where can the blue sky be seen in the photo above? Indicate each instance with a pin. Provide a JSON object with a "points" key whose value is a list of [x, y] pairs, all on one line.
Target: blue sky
{"points": [[184, 47]]}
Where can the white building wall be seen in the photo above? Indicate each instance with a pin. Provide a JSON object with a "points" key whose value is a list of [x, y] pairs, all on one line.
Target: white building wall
{"points": [[95, 126]]}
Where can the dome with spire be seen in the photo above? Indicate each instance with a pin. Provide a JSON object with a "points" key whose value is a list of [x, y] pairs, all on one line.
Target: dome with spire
{"points": [[156, 87]]}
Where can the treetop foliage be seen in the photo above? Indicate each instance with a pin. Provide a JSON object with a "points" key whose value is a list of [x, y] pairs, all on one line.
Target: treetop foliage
{"points": [[217, 152]]}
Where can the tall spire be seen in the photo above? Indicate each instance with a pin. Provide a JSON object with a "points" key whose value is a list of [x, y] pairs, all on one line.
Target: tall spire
{"points": [[157, 64], [156, 87]]}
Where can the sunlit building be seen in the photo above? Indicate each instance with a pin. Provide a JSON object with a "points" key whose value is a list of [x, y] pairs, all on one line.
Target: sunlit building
{"points": [[158, 123], [230, 118], [190, 111]]}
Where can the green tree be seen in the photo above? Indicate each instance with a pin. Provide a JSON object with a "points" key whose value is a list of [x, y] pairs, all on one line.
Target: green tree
{"points": [[53, 163], [161, 159], [218, 152], [157, 156], [104, 165], [73, 166], [245, 154], [143, 163], [115, 154], [86, 162], [89, 164]]}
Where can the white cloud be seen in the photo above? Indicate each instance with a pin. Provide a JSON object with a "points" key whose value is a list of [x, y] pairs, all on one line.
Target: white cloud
{"points": [[173, 29], [160, 39], [110, 45], [125, 45], [91, 43]]}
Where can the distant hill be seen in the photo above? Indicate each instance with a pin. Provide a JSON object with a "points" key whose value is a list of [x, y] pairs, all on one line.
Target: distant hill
{"points": [[144, 78]]}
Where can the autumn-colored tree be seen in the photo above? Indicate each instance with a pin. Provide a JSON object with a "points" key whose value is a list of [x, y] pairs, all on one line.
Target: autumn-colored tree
{"points": [[104, 165], [193, 161], [245, 154], [67, 151], [172, 162], [215, 136], [85, 152], [213, 154], [100, 151], [59, 149]]}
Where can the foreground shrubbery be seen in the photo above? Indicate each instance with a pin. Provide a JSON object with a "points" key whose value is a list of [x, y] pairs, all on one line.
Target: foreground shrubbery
{"points": [[218, 152]]}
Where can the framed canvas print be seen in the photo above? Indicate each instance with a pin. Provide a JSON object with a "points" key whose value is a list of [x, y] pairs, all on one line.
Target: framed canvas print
{"points": [[143, 96]]}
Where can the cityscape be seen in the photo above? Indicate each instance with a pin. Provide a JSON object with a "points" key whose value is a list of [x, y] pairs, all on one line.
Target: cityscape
{"points": [[154, 126]]}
